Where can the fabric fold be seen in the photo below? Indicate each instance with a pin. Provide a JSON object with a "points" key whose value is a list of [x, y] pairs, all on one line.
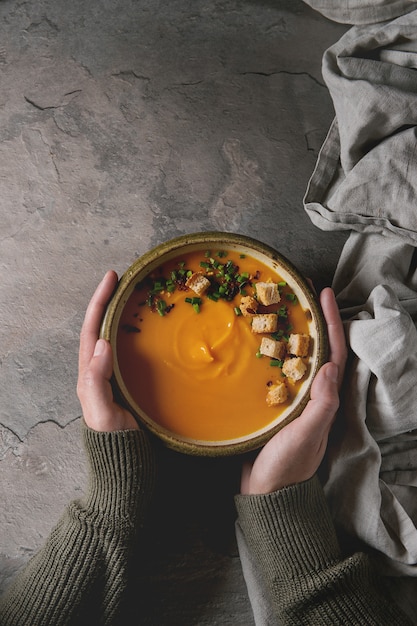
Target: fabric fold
{"points": [[361, 11], [375, 442], [366, 174]]}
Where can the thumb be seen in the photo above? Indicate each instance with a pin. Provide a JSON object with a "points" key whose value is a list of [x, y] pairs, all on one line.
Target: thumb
{"points": [[324, 398], [94, 389], [102, 361], [100, 372], [95, 392]]}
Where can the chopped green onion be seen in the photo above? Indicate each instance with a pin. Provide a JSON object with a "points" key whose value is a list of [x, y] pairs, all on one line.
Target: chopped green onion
{"points": [[161, 306], [276, 363], [282, 312], [193, 300], [157, 287], [292, 298], [237, 311], [196, 307]]}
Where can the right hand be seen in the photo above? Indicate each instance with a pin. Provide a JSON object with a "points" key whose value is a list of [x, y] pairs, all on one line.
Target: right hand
{"points": [[294, 454]]}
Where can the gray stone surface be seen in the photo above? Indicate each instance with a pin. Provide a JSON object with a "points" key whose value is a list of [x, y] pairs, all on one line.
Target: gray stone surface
{"points": [[124, 124]]}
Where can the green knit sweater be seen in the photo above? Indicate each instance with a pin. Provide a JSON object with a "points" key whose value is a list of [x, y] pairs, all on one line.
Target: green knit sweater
{"points": [[80, 575]]}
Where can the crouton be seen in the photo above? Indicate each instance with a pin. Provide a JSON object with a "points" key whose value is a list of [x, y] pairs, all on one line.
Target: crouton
{"points": [[267, 293], [294, 368], [274, 349], [265, 323], [298, 345], [198, 283], [248, 306], [277, 394]]}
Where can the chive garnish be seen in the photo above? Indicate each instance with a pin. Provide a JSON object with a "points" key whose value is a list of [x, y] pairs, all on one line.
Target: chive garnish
{"points": [[291, 297], [160, 307], [194, 300]]}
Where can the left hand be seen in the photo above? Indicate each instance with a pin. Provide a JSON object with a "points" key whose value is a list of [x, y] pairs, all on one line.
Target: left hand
{"points": [[95, 367]]}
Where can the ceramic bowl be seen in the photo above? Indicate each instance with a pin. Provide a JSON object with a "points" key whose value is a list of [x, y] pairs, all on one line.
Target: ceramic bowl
{"points": [[243, 245]]}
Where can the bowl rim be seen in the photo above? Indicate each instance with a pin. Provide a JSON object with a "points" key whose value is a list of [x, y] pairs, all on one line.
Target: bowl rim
{"points": [[171, 248]]}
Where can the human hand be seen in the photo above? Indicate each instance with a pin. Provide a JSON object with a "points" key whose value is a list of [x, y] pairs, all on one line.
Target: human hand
{"points": [[294, 454], [95, 367]]}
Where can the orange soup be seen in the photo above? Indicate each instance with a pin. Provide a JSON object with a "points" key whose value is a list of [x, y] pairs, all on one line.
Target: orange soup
{"points": [[192, 362]]}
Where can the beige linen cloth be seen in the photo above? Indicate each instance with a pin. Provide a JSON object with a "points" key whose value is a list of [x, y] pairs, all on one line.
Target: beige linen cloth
{"points": [[365, 182]]}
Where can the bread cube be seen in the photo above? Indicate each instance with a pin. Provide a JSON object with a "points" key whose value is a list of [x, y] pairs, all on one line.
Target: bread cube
{"points": [[198, 283], [277, 394], [265, 323], [267, 293], [248, 305], [298, 345], [274, 349], [294, 368]]}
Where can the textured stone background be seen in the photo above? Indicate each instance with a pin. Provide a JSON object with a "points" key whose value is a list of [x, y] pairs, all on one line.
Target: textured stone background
{"points": [[123, 124]]}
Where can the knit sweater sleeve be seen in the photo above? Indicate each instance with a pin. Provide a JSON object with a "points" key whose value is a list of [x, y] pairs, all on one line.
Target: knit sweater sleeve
{"points": [[82, 569], [291, 539]]}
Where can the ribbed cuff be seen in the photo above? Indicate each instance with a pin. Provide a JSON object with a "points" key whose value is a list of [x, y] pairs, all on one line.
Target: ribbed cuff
{"points": [[290, 530], [122, 472]]}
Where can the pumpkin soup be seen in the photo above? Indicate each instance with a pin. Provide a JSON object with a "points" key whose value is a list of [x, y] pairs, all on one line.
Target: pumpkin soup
{"points": [[204, 342]]}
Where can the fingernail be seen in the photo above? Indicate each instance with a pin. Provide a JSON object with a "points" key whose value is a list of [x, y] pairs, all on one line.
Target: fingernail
{"points": [[332, 372], [99, 347]]}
